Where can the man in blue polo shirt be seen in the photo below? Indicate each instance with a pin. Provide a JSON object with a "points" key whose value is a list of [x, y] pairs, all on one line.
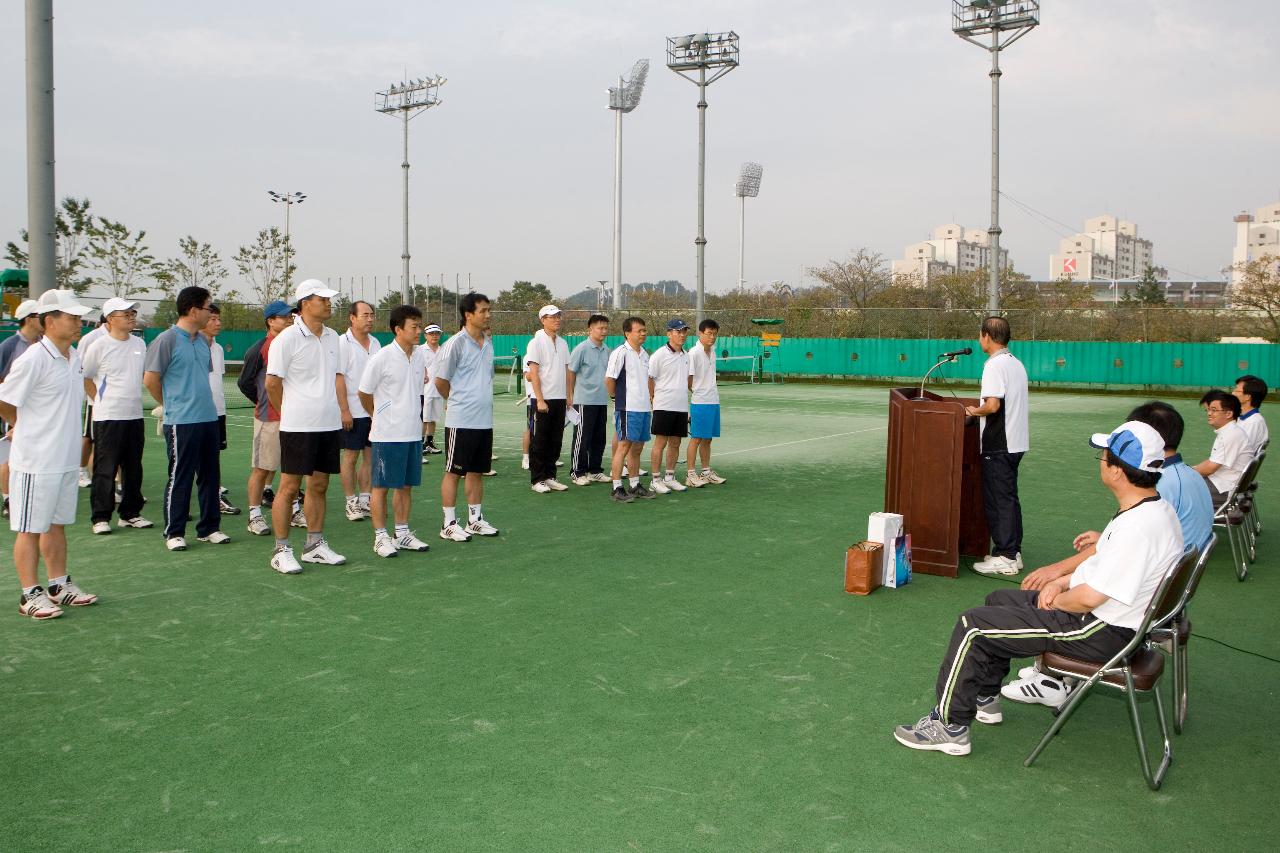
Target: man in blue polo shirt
{"points": [[588, 397], [177, 375]]}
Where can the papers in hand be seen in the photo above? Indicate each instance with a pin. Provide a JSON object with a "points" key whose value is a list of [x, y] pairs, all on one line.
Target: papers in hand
{"points": [[573, 416]]}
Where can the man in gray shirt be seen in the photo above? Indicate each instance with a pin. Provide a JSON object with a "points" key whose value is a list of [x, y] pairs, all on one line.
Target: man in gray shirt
{"points": [[588, 397]]}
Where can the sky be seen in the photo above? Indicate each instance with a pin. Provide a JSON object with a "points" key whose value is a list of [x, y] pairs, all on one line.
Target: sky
{"points": [[872, 122]]}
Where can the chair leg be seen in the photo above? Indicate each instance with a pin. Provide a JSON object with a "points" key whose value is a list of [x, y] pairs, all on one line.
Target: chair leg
{"points": [[1154, 779], [1061, 718], [1250, 542], [1181, 691], [1237, 560]]}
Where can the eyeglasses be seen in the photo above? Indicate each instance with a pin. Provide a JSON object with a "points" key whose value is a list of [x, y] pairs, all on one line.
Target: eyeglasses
{"points": [[1213, 411], [1101, 456]]}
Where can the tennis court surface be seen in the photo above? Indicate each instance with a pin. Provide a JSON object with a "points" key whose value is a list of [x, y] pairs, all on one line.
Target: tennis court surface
{"points": [[678, 674]]}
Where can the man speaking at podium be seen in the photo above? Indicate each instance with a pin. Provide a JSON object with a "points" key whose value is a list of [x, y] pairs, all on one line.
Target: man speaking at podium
{"points": [[1005, 438]]}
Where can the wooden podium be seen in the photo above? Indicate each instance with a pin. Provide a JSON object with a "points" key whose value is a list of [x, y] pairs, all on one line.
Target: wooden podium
{"points": [[933, 481]]}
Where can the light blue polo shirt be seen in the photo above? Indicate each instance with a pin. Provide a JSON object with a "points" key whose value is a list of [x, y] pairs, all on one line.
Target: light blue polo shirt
{"points": [[1184, 489], [588, 363], [468, 368], [184, 364]]}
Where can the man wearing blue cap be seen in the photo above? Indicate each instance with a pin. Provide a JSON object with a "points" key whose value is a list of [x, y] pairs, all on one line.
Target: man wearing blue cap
{"points": [[1090, 615], [266, 420]]}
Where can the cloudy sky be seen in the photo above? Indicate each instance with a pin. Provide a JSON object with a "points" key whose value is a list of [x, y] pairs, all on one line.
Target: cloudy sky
{"points": [[871, 120]]}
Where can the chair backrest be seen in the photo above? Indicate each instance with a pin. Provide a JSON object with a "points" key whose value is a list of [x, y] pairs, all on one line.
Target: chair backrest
{"points": [[1198, 571], [1167, 602], [1250, 471]]}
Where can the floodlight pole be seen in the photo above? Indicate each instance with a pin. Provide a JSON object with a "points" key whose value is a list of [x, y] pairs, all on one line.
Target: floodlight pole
{"points": [[993, 233], [742, 237], [41, 204], [617, 206], [288, 200], [701, 241], [404, 252]]}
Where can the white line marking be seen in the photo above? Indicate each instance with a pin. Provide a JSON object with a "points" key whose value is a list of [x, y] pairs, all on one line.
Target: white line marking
{"points": [[801, 441]]}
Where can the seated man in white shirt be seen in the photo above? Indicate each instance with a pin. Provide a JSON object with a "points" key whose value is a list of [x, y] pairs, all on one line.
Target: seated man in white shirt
{"points": [[1251, 391], [1230, 454]]}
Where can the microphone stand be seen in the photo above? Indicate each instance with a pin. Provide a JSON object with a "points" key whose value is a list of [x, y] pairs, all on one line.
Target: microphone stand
{"points": [[947, 360]]}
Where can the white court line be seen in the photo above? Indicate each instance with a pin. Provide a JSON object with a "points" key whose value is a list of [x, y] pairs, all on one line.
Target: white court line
{"points": [[799, 441]]}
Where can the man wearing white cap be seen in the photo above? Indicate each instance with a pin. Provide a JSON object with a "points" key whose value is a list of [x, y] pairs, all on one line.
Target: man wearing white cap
{"points": [[1090, 615], [113, 366], [355, 347], [547, 360], [10, 348], [43, 392], [302, 384], [432, 402]]}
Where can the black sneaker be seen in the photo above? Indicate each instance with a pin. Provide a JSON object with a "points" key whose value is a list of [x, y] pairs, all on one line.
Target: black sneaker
{"points": [[268, 496], [642, 491], [226, 507], [5, 511], [622, 496]]}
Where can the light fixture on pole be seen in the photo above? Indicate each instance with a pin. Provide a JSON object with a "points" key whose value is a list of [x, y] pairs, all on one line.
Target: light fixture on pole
{"points": [[623, 98], [600, 298], [1005, 21], [288, 200], [409, 99], [748, 186], [702, 52]]}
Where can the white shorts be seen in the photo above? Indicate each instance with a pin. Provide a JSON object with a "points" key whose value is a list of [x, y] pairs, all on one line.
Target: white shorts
{"points": [[39, 501], [433, 410]]}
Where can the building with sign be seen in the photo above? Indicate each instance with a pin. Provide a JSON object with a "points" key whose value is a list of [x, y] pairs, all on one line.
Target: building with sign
{"points": [[1107, 248], [1255, 237]]}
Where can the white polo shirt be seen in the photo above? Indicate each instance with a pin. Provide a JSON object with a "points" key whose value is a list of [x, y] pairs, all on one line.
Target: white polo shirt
{"points": [[630, 372], [217, 370], [354, 358], [428, 356], [47, 389], [702, 367], [1255, 427], [1231, 452], [1136, 550], [1004, 377], [669, 370], [308, 366], [89, 337], [552, 358], [115, 368], [393, 378]]}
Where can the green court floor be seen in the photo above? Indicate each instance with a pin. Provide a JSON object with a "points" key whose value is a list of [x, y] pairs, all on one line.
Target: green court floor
{"points": [[680, 674]]}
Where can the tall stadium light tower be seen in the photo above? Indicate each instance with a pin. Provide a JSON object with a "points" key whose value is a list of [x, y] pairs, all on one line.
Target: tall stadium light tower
{"points": [[42, 231], [623, 98], [288, 200], [702, 52], [409, 99], [748, 186], [1005, 21]]}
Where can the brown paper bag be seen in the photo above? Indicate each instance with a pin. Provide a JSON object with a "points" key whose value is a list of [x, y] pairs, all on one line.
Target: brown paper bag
{"points": [[862, 567]]}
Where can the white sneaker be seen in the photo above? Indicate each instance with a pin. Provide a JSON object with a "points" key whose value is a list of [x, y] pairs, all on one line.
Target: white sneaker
{"points": [[137, 521], [175, 543], [383, 546], [354, 512], [659, 488], [101, 527], [996, 566], [70, 595], [675, 485], [323, 554], [600, 478], [84, 481], [284, 562], [480, 527], [555, 485], [694, 480], [625, 473], [712, 477], [410, 542], [217, 537], [38, 606], [431, 448], [581, 480], [299, 519], [524, 462], [1038, 689], [541, 487], [364, 507], [454, 533], [258, 526]]}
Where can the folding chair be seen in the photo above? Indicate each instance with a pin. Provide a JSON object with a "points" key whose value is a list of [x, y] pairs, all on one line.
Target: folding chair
{"points": [[1173, 632], [1249, 500], [1231, 517], [1134, 669]]}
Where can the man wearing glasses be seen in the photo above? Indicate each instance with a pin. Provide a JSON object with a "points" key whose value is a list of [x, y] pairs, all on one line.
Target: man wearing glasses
{"points": [[1231, 453]]}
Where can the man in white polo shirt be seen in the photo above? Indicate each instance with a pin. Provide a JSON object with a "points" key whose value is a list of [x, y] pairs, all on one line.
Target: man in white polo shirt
{"points": [[464, 378], [28, 333], [387, 394], [547, 360], [302, 384], [113, 366], [86, 443], [40, 399], [1231, 452], [1250, 390], [432, 402], [355, 347], [669, 381], [627, 380], [704, 407]]}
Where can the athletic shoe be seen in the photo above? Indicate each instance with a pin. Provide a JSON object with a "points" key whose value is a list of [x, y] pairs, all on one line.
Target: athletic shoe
{"points": [[119, 493], [1038, 689], [354, 510], [409, 542], [453, 532], [84, 481], [493, 456], [323, 554], [5, 511], [989, 711], [600, 478], [480, 527], [712, 477], [541, 487], [643, 493], [524, 462], [217, 537], [223, 491], [674, 485], [555, 485], [425, 457], [226, 507], [643, 473], [137, 522], [996, 565], [268, 496], [383, 546], [580, 480], [175, 543], [70, 595], [431, 448], [929, 733], [659, 487], [299, 520], [38, 606], [622, 496], [101, 527], [284, 562], [490, 473], [364, 506], [694, 480], [258, 526]]}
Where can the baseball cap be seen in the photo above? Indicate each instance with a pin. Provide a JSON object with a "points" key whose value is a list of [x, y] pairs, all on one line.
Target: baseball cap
{"points": [[1135, 444], [60, 300], [117, 303], [676, 325], [279, 308], [25, 309], [547, 311], [432, 328], [312, 287]]}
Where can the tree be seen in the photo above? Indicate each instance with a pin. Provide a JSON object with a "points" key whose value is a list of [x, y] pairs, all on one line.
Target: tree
{"points": [[523, 296], [120, 258], [74, 227], [857, 279], [262, 263], [1258, 290], [197, 265], [1148, 291]]}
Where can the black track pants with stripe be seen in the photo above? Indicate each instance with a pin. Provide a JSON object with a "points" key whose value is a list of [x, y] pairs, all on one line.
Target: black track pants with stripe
{"points": [[1010, 626], [193, 456], [588, 440]]}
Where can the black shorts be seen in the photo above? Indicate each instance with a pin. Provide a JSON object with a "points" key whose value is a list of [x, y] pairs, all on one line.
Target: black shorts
{"points": [[357, 438], [468, 451], [88, 422], [674, 424], [310, 452]]}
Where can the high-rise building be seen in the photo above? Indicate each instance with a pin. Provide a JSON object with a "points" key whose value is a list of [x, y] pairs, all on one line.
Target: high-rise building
{"points": [[953, 248], [1256, 237], [1107, 248]]}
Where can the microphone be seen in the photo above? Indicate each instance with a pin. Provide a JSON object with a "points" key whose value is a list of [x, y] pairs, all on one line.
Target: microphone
{"points": [[965, 351]]}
